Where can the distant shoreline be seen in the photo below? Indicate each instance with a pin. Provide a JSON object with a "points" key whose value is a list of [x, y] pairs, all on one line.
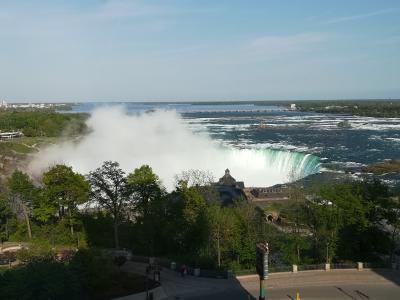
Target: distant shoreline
{"points": [[212, 102]]}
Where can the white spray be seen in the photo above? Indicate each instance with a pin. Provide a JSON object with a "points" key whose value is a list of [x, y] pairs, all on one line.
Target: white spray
{"points": [[162, 140]]}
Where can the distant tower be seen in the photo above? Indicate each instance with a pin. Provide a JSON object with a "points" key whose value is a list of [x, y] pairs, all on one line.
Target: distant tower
{"points": [[229, 189], [3, 103], [228, 180]]}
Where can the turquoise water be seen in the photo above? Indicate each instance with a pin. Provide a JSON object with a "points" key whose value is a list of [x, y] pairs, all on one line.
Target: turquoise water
{"points": [[306, 142]]}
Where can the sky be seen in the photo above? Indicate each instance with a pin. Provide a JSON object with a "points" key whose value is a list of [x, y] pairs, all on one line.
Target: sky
{"points": [[195, 50]]}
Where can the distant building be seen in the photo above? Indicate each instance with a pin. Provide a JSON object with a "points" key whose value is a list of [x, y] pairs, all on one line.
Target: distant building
{"points": [[229, 189], [262, 195], [10, 135], [293, 106], [3, 104]]}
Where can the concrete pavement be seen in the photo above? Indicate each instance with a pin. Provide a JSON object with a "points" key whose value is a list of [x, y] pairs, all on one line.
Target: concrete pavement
{"points": [[333, 285], [174, 285]]}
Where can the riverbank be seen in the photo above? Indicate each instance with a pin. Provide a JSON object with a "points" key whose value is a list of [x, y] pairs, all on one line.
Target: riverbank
{"points": [[364, 108]]}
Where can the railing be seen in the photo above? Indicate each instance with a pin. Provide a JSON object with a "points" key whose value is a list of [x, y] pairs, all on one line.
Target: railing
{"points": [[166, 263], [245, 272], [280, 268], [271, 269], [310, 267], [377, 265], [344, 266]]}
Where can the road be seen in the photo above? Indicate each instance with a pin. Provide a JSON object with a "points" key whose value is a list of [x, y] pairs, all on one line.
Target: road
{"points": [[333, 285], [342, 292]]}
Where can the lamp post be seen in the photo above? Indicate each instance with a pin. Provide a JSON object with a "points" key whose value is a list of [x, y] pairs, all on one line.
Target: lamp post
{"points": [[262, 252], [147, 284], [327, 252]]}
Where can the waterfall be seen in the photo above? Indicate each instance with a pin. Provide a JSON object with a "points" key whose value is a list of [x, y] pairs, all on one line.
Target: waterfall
{"points": [[162, 140], [266, 167]]}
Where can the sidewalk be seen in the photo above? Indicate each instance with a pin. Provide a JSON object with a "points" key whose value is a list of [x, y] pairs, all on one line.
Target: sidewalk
{"points": [[173, 285], [321, 278]]}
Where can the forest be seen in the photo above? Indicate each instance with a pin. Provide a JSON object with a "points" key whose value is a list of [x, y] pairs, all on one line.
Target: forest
{"points": [[364, 108], [42, 123], [347, 222], [66, 220]]}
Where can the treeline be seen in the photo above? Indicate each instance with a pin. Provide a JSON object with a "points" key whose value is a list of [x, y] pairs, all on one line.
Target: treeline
{"points": [[131, 211], [108, 208], [347, 222], [42, 123], [365, 108]]}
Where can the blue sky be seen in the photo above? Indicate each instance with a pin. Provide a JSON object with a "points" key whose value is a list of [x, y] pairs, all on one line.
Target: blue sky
{"points": [[123, 50]]}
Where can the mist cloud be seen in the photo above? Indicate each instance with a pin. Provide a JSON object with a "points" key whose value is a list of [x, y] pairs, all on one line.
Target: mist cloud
{"points": [[162, 140]]}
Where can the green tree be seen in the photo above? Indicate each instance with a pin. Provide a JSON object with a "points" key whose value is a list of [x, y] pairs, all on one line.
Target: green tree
{"points": [[40, 279], [250, 226], [391, 214], [384, 209], [321, 218], [23, 195], [292, 244], [296, 219], [148, 196], [5, 216], [110, 190], [145, 186], [202, 181], [188, 222], [65, 189], [359, 235], [43, 123], [223, 233]]}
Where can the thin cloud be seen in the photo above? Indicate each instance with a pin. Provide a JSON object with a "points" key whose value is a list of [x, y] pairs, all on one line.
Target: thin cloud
{"points": [[359, 16], [278, 45], [127, 9], [112, 9]]}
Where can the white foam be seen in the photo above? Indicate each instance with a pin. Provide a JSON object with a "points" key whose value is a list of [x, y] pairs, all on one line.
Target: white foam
{"points": [[162, 140]]}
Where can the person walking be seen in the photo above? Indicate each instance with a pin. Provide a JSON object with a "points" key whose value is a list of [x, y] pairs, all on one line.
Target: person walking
{"points": [[183, 270]]}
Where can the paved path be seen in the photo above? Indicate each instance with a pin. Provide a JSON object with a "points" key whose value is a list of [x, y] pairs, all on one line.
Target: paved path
{"points": [[176, 286], [333, 285]]}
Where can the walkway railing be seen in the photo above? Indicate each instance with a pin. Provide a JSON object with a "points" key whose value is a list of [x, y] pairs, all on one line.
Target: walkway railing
{"points": [[344, 266], [311, 267], [167, 263]]}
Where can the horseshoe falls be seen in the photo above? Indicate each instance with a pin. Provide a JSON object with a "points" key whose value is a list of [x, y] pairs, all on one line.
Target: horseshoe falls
{"points": [[163, 141], [266, 167]]}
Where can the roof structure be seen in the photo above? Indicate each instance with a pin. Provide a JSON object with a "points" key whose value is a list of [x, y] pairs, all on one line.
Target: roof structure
{"points": [[227, 179]]}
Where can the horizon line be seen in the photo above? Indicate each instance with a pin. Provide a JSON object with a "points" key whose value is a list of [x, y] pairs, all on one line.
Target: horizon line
{"points": [[192, 101]]}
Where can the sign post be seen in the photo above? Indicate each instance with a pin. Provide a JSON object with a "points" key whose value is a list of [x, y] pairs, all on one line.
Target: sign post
{"points": [[262, 252]]}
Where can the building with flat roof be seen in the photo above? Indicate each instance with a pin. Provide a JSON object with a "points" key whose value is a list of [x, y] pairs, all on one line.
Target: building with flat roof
{"points": [[230, 190], [10, 135]]}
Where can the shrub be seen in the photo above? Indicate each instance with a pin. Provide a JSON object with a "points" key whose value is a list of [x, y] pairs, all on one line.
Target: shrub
{"points": [[120, 260], [36, 252], [40, 279]]}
